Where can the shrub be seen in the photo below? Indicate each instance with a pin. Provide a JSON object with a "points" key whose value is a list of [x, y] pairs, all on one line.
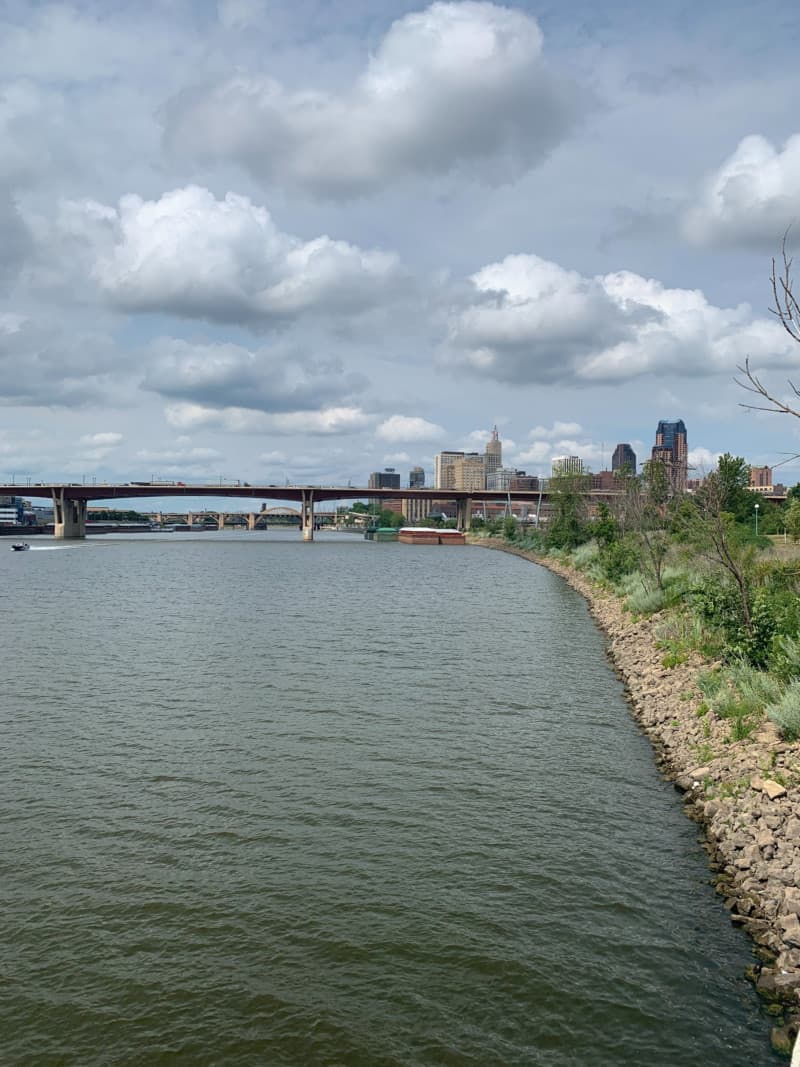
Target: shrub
{"points": [[785, 713], [583, 555], [619, 558], [784, 659], [645, 601]]}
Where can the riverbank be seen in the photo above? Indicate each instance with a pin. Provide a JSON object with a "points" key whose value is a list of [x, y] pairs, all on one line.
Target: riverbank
{"points": [[745, 794]]}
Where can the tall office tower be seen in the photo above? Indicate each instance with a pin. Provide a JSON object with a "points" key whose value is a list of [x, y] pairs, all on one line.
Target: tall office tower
{"points": [[416, 478], [671, 449], [443, 469], [385, 479], [566, 465], [624, 456], [493, 456]]}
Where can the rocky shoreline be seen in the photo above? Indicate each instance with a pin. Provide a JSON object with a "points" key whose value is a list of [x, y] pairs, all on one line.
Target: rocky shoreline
{"points": [[745, 794]]}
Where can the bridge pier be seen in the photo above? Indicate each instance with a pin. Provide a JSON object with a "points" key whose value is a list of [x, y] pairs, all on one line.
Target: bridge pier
{"points": [[464, 514], [251, 521], [221, 521], [69, 517], [307, 515]]}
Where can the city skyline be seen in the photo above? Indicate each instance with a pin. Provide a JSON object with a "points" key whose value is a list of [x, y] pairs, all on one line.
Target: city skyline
{"points": [[311, 241]]}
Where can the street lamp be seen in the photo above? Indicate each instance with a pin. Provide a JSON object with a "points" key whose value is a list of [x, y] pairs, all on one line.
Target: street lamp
{"points": [[756, 506]]}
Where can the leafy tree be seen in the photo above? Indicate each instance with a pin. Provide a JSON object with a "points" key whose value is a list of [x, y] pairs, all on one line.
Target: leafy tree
{"points": [[717, 538], [793, 519], [568, 526], [387, 517]]}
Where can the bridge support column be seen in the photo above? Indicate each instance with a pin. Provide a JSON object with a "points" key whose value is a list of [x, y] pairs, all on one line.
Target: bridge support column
{"points": [[69, 517], [307, 515], [464, 514], [221, 521], [251, 521], [189, 518]]}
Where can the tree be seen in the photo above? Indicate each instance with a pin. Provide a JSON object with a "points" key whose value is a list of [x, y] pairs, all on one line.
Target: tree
{"points": [[645, 508], [719, 540], [388, 517], [569, 510], [787, 312], [793, 520]]}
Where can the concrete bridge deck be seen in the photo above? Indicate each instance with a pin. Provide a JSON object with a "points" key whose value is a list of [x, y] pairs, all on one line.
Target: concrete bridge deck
{"points": [[70, 499]]}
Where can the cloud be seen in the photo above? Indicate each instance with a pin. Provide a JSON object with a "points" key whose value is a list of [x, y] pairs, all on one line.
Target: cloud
{"points": [[228, 375], [751, 199], [456, 85], [191, 255], [102, 440], [531, 321], [48, 365], [558, 429], [703, 460], [328, 421], [408, 428]]}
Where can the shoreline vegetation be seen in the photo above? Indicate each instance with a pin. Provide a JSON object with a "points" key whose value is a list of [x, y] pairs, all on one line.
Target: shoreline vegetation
{"points": [[720, 732]]}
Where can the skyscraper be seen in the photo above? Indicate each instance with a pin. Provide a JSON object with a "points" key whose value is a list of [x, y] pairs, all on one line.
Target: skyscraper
{"points": [[493, 457], [671, 449], [624, 456], [416, 478]]}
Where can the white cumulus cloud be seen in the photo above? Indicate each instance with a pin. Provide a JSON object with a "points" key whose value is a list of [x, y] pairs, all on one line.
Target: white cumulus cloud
{"points": [[192, 255], [408, 428], [456, 85], [532, 321], [327, 421], [751, 199]]}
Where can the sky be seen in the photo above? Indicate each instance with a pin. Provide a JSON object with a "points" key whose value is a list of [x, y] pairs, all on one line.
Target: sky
{"points": [[270, 240]]}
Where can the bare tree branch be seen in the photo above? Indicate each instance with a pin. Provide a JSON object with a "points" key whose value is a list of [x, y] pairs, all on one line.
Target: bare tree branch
{"points": [[787, 312]]}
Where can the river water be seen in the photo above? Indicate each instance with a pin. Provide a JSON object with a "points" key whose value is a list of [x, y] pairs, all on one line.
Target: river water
{"points": [[347, 803]]}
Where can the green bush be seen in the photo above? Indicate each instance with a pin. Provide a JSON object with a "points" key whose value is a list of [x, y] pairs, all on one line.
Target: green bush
{"points": [[619, 558], [785, 713]]}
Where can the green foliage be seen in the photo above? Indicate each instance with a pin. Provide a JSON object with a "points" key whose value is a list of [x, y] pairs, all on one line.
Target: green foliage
{"points": [[792, 519], [619, 558], [785, 712], [568, 527], [784, 660], [644, 601], [584, 554], [509, 528], [388, 517], [605, 528]]}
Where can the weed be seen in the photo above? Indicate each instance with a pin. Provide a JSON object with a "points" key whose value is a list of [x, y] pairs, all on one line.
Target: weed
{"points": [[705, 753]]}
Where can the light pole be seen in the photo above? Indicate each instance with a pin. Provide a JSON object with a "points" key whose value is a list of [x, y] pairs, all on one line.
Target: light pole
{"points": [[756, 506]]}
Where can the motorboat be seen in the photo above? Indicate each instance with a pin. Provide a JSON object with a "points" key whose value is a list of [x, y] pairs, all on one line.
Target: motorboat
{"points": [[20, 546]]}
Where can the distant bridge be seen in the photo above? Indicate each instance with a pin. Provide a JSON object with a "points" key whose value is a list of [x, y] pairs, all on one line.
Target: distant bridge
{"points": [[70, 500]]}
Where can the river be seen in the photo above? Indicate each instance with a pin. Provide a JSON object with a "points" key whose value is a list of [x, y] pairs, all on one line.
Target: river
{"points": [[266, 802]]}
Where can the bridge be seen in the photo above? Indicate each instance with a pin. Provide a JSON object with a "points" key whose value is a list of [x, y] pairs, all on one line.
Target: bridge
{"points": [[70, 499]]}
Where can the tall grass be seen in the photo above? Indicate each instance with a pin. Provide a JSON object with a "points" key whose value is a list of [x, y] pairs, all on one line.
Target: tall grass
{"points": [[785, 712]]}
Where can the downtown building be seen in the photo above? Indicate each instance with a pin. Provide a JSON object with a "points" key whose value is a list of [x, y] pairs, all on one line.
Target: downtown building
{"points": [[468, 471], [672, 449], [623, 457], [561, 465]]}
